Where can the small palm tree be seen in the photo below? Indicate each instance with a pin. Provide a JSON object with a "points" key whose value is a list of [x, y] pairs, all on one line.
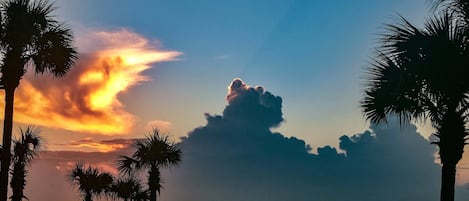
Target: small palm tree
{"points": [[128, 189], [29, 36], [24, 151], [153, 152], [422, 74], [90, 181]]}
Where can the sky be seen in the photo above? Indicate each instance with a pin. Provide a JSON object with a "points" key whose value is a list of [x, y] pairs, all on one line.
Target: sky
{"points": [[174, 65], [312, 53]]}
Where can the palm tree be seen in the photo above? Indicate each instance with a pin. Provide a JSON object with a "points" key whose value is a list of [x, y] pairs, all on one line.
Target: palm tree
{"points": [[151, 153], [458, 7], [90, 181], [24, 151], [421, 73], [29, 36], [129, 189]]}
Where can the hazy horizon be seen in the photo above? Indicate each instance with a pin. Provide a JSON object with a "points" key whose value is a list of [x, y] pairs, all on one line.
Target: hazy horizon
{"points": [[263, 97]]}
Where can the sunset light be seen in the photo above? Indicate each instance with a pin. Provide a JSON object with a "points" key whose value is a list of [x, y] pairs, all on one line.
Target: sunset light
{"points": [[289, 100], [86, 100]]}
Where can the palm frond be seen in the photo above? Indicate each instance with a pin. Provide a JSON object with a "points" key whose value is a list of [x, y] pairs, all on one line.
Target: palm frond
{"points": [[54, 52], [127, 165], [418, 72], [391, 90], [76, 175], [151, 153], [30, 34], [25, 150], [90, 180], [128, 188], [28, 146], [460, 8]]}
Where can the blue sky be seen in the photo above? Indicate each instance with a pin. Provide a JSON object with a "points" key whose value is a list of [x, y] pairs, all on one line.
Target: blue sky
{"points": [[312, 53]]}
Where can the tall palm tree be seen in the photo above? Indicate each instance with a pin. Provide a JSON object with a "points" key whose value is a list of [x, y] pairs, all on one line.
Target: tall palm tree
{"points": [[421, 73], [151, 153], [129, 189], [24, 151], [29, 36], [90, 181], [458, 7]]}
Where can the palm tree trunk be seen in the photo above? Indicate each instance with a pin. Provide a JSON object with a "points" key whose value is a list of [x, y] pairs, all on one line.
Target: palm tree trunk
{"points": [[17, 182], [154, 182], [6, 153], [152, 195], [448, 175]]}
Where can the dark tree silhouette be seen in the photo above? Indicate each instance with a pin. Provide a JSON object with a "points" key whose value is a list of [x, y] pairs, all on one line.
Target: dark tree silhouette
{"points": [[128, 189], [29, 36], [25, 150], [153, 152], [421, 73], [460, 8], [90, 181]]}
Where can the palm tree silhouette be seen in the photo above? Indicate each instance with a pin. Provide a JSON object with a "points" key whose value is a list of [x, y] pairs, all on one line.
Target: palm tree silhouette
{"points": [[153, 152], [460, 8], [29, 36], [422, 74], [24, 151], [90, 181], [129, 189]]}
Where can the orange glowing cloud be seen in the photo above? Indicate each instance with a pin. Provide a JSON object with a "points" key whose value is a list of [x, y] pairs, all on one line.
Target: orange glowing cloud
{"points": [[86, 100], [91, 145]]}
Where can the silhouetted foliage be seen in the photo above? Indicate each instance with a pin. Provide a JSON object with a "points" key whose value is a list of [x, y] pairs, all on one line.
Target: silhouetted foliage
{"points": [[25, 150], [29, 35], [459, 8], [128, 189], [90, 181], [421, 73], [153, 152]]}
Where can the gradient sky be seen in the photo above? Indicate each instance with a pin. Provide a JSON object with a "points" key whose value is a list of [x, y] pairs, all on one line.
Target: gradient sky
{"points": [[312, 53]]}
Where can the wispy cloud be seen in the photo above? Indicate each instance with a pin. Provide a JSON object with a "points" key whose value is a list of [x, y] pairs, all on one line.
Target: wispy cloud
{"points": [[90, 145], [161, 125]]}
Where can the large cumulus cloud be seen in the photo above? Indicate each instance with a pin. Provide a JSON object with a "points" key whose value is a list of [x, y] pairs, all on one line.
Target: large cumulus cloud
{"points": [[236, 156]]}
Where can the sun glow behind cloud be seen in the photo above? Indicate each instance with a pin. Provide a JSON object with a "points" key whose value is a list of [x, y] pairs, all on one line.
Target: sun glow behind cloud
{"points": [[86, 100]]}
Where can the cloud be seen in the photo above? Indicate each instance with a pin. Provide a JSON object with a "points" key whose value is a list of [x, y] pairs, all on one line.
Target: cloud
{"points": [[163, 126], [87, 98], [90, 145], [252, 106], [236, 156]]}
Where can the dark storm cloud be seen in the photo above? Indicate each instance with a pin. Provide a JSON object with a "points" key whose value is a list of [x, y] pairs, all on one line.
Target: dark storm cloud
{"points": [[252, 106], [236, 156]]}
